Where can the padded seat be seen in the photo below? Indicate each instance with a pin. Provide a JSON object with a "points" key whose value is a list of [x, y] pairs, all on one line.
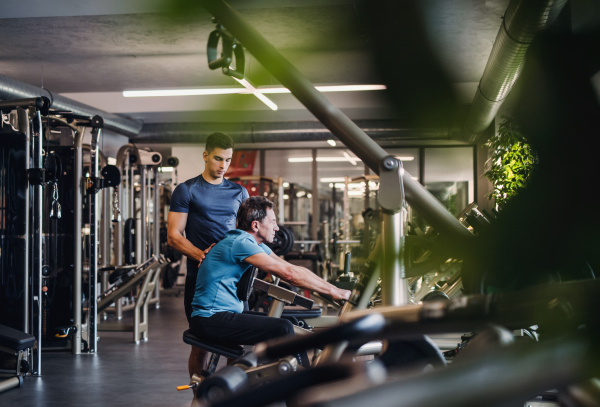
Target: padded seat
{"points": [[296, 312], [234, 351], [15, 339], [302, 313]]}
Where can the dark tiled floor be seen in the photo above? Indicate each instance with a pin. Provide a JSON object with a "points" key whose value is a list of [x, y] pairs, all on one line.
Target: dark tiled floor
{"points": [[121, 374]]}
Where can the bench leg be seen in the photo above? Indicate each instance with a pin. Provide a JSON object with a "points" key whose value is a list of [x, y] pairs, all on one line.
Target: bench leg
{"points": [[213, 362]]}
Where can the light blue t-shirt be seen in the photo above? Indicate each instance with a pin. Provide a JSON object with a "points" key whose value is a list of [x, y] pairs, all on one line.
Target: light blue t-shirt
{"points": [[221, 270]]}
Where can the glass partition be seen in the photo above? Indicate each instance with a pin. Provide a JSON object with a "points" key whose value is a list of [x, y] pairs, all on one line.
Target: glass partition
{"points": [[295, 167], [449, 176]]}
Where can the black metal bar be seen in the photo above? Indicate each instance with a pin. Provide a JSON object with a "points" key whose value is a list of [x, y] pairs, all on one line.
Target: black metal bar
{"points": [[512, 376], [29, 102], [338, 123], [357, 329], [557, 307], [36, 247]]}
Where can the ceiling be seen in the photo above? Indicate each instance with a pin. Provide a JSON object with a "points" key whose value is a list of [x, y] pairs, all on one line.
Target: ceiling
{"points": [[91, 51]]}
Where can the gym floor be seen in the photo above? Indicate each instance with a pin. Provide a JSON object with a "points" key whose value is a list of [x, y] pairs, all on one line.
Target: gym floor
{"points": [[122, 373]]}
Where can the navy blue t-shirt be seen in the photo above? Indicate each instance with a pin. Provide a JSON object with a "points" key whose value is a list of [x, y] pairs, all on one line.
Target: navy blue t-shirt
{"points": [[211, 210]]}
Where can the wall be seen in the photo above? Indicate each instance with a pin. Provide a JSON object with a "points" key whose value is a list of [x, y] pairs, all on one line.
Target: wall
{"points": [[191, 163]]}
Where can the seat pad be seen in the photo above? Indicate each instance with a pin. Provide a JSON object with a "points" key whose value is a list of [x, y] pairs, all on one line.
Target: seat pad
{"points": [[296, 312], [15, 339], [234, 351]]}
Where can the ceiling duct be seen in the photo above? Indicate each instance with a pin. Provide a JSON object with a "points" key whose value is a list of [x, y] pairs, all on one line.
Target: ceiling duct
{"points": [[267, 132], [13, 89], [522, 20]]}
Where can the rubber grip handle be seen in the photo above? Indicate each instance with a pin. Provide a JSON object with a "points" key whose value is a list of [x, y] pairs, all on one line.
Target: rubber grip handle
{"points": [[186, 387]]}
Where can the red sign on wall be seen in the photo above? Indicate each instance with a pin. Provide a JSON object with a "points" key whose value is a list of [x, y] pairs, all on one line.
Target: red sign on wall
{"points": [[242, 163]]}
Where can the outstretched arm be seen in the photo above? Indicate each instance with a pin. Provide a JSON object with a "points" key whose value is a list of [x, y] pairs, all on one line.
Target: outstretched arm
{"points": [[296, 275], [176, 239]]}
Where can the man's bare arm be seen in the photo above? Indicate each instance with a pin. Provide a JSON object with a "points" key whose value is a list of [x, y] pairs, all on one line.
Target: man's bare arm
{"points": [[175, 238], [296, 275]]}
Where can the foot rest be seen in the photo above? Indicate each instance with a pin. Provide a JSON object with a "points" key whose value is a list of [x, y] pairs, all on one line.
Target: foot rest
{"points": [[234, 351], [303, 313], [14, 339], [294, 312]]}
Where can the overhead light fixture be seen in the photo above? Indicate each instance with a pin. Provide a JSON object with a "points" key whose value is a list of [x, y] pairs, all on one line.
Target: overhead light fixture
{"points": [[324, 159], [352, 160], [300, 194], [309, 196], [286, 184], [183, 92], [166, 169], [286, 196], [229, 91], [332, 143], [332, 179], [356, 193], [256, 93], [331, 88]]}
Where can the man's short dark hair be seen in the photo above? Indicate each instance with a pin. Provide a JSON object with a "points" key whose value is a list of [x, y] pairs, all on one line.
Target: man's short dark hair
{"points": [[253, 208], [220, 140]]}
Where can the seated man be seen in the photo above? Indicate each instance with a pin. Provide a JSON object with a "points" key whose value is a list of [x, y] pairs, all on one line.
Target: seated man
{"points": [[217, 310]]}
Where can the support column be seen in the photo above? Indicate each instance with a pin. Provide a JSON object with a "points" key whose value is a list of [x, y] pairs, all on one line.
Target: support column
{"points": [[394, 288], [23, 118], [261, 183], [156, 231], [280, 201], [315, 197], [77, 237], [142, 231], [36, 267], [94, 218], [394, 285]]}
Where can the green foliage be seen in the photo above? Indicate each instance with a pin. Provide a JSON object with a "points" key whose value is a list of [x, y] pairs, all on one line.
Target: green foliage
{"points": [[512, 162], [450, 203]]}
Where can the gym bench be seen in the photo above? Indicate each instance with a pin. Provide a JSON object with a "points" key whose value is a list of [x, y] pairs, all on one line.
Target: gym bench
{"points": [[251, 374], [230, 352], [17, 344]]}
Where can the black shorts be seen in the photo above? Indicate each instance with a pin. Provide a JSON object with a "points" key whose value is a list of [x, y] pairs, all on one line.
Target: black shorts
{"points": [[243, 329]]}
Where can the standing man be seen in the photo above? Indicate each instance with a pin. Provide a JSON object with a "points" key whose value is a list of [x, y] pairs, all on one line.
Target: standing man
{"points": [[205, 208]]}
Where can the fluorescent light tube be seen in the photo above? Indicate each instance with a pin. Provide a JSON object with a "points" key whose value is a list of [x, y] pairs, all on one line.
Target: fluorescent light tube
{"points": [[253, 90], [183, 92], [324, 159], [228, 91]]}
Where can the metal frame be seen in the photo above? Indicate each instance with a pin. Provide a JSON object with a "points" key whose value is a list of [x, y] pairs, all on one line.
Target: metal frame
{"points": [[94, 218], [140, 314], [23, 119], [375, 157], [77, 231], [36, 248]]}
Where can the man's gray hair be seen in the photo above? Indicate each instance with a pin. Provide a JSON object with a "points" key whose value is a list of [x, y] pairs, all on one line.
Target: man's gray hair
{"points": [[253, 208]]}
